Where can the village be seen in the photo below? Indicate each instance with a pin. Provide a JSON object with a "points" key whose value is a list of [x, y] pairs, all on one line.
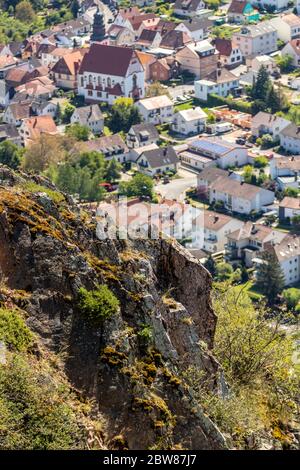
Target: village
{"points": [[212, 93]]}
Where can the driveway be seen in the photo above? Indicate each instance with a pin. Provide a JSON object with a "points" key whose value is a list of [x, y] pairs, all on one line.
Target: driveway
{"points": [[177, 188], [180, 90]]}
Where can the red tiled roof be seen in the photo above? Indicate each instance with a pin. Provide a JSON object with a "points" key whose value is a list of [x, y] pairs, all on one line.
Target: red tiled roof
{"points": [[224, 46], [110, 60]]}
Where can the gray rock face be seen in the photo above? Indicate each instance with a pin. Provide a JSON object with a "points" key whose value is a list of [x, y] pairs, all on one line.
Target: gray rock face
{"points": [[132, 364]]}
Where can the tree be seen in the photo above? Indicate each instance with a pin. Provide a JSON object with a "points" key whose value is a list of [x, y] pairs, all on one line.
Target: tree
{"points": [[290, 192], [58, 115], [261, 85], [67, 113], [25, 12], [291, 297], [156, 89], [224, 271], [78, 131], [123, 115], [112, 171], [269, 277], [74, 7], [276, 100], [261, 162], [210, 265], [139, 185], [10, 154], [285, 63]]}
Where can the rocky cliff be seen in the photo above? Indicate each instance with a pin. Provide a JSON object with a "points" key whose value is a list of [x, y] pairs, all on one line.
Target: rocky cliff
{"points": [[131, 365]]}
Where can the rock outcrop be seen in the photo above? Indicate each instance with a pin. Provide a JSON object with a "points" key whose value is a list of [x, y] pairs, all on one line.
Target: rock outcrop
{"points": [[49, 250]]}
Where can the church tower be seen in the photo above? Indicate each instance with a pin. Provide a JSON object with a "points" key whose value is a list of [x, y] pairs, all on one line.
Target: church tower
{"points": [[98, 34]]}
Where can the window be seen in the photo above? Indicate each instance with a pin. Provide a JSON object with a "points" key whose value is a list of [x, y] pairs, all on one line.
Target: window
{"points": [[90, 92]]}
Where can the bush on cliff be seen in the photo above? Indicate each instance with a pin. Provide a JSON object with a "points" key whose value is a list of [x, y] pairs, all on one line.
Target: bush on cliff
{"points": [[97, 305]]}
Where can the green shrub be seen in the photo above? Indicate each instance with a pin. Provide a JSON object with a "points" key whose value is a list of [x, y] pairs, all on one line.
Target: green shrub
{"points": [[13, 330], [146, 334], [36, 411], [291, 297], [224, 271], [97, 305]]}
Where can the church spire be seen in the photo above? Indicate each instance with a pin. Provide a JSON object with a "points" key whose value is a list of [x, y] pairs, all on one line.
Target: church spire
{"points": [[98, 33]]}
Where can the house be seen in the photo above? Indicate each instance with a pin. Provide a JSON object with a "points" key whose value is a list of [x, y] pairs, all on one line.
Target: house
{"points": [[275, 5], [189, 121], [196, 28], [288, 26], [5, 50], [286, 171], [249, 240], [230, 56], [112, 146], [143, 21], [40, 87], [174, 40], [120, 36], [149, 38], [287, 253], [263, 60], [292, 48], [221, 82], [290, 138], [216, 228], [32, 128], [188, 8], [15, 113], [141, 135], [108, 72], [156, 110], [65, 71], [256, 39], [89, 116], [241, 11], [200, 58], [207, 177], [50, 57], [164, 69], [40, 107], [9, 132], [125, 15], [240, 197], [289, 207], [223, 153], [146, 60], [72, 32], [158, 161], [266, 123]]}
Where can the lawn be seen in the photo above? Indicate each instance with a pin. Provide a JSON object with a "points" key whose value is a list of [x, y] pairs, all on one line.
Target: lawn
{"points": [[251, 289], [187, 105]]}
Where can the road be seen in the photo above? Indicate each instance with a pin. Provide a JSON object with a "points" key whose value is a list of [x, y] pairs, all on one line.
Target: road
{"points": [[176, 188]]}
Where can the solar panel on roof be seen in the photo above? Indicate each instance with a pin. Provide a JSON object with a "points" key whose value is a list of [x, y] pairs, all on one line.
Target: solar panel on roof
{"points": [[210, 146]]}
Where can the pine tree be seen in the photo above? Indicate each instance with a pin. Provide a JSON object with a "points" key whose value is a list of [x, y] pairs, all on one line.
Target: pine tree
{"points": [[261, 85], [210, 265], [269, 277], [112, 172]]}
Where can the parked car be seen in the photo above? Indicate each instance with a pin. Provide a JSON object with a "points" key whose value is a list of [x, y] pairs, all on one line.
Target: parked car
{"points": [[240, 141]]}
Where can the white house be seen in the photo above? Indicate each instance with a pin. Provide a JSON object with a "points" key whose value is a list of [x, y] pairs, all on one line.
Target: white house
{"points": [[258, 39], [216, 228], [268, 62], [230, 56], [288, 26], [266, 123], [222, 153], [290, 138], [158, 161], [188, 8], [289, 207], [90, 116], [240, 197], [292, 48], [222, 83], [284, 166], [141, 135], [15, 113], [189, 121], [108, 72], [112, 146], [156, 110], [196, 28], [249, 240], [287, 253]]}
